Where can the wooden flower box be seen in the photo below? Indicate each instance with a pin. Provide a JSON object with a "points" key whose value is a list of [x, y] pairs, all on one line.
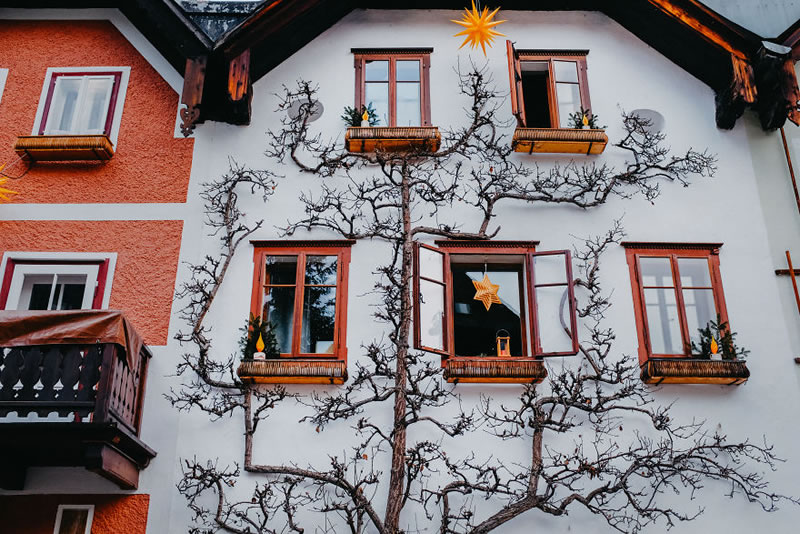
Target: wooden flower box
{"points": [[65, 147], [559, 141], [494, 370], [694, 371], [393, 139], [293, 371]]}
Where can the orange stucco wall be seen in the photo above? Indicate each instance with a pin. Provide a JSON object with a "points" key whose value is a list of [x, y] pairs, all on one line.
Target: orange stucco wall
{"points": [[150, 165], [36, 514], [147, 261]]}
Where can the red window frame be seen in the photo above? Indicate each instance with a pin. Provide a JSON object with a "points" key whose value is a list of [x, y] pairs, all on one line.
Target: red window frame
{"points": [[99, 291], [636, 250], [301, 249], [515, 78], [530, 314], [361, 55], [112, 103]]}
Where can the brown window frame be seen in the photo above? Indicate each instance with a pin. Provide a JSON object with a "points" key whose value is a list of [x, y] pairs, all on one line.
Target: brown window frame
{"points": [[302, 249], [515, 77], [529, 311], [361, 55], [636, 250]]}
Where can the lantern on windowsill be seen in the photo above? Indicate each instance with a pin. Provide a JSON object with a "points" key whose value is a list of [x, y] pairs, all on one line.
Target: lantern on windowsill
{"points": [[503, 343]]}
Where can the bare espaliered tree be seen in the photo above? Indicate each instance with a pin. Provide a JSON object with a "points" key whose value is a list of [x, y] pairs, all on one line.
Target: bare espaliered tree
{"points": [[619, 476]]}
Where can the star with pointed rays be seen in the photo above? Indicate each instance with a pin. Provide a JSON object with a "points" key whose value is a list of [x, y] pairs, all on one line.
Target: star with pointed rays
{"points": [[478, 27], [486, 292]]}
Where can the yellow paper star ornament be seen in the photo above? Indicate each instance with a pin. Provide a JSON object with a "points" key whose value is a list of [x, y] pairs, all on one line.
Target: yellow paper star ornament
{"points": [[3, 191], [478, 27], [486, 292]]}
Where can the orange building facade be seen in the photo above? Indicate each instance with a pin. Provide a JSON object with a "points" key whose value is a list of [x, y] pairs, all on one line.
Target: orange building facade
{"points": [[94, 224]]}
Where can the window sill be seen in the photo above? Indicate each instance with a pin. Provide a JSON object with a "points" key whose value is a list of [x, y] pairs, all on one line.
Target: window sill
{"points": [[559, 141], [694, 371], [494, 370], [65, 147], [393, 139], [293, 371]]}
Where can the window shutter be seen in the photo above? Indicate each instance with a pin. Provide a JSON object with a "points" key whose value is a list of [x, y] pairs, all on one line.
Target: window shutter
{"points": [[552, 294], [430, 299], [515, 78]]}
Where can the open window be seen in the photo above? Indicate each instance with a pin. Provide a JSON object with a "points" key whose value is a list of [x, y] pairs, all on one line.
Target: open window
{"points": [[493, 309], [677, 290], [547, 86], [30, 284]]}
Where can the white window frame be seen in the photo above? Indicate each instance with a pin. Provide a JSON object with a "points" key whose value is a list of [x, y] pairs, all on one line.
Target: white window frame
{"points": [[89, 516], [13, 300], [125, 73], [3, 78]]}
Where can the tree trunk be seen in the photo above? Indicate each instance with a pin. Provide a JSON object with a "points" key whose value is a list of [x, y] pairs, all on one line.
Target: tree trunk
{"points": [[394, 504]]}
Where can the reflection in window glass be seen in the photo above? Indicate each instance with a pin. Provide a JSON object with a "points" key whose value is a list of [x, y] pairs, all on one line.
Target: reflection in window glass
{"points": [[566, 71], [279, 292], [663, 321], [319, 305], [376, 71], [569, 101], [53, 292], [408, 104], [694, 272], [656, 272], [79, 104], [476, 329], [377, 94], [700, 310], [431, 314]]}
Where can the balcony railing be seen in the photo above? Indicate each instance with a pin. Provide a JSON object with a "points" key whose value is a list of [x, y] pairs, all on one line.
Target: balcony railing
{"points": [[65, 401]]}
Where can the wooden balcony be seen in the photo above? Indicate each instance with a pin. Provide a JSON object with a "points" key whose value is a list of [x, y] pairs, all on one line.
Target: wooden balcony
{"points": [[71, 404], [694, 371], [65, 147], [559, 141], [422, 139]]}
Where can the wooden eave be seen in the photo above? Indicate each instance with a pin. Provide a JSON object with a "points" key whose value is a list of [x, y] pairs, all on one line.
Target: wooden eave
{"points": [[720, 53]]}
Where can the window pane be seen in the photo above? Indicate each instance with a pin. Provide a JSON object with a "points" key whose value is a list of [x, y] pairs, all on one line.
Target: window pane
{"points": [[73, 521], [408, 104], [281, 270], [566, 71], [40, 296], [569, 101], [408, 70], [656, 272], [550, 269], [279, 312], [694, 272], [552, 308], [95, 105], [431, 264], [71, 296], [63, 104], [321, 270], [431, 314], [319, 314], [376, 71], [700, 310], [377, 94], [663, 321], [474, 327]]}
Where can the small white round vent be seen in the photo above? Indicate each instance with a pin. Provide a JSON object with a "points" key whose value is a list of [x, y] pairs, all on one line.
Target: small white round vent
{"points": [[316, 112], [656, 119]]}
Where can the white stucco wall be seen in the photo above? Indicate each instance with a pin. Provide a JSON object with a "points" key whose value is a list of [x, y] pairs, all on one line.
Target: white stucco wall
{"points": [[623, 73]]}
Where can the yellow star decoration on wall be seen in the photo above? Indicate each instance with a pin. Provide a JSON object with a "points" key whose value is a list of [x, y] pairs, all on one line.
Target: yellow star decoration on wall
{"points": [[3, 191], [486, 292], [478, 27]]}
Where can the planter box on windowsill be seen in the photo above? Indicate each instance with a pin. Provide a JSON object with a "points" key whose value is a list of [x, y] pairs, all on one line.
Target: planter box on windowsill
{"points": [[495, 370], [393, 139], [65, 147], [694, 371], [293, 371], [559, 140]]}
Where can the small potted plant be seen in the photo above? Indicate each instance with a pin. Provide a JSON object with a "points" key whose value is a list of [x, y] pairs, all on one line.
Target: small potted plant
{"points": [[258, 341], [354, 117], [717, 339], [584, 120]]}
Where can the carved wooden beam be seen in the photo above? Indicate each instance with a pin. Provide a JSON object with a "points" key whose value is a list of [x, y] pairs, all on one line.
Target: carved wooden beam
{"points": [[192, 97], [778, 94], [240, 88], [741, 92]]}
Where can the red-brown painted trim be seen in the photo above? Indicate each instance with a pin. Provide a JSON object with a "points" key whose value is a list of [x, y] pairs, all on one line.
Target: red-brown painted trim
{"points": [[112, 103], [489, 244], [288, 243], [670, 245], [392, 55], [683, 250]]}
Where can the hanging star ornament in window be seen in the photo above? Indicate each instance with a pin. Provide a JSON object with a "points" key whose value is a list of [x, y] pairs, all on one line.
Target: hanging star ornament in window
{"points": [[486, 292], [478, 27]]}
